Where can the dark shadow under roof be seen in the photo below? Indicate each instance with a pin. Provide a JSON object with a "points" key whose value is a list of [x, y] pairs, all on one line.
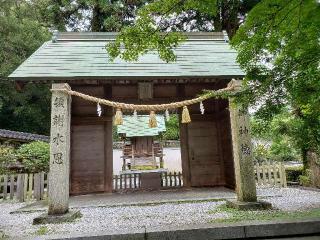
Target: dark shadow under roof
{"points": [[73, 56]]}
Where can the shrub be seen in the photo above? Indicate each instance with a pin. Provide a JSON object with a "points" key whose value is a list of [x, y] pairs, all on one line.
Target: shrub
{"points": [[172, 128], [261, 153], [34, 156], [293, 173], [7, 158], [305, 180]]}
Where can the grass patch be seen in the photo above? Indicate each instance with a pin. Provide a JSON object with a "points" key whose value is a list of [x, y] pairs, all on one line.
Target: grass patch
{"points": [[43, 230], [3, 235], [235, 215]]}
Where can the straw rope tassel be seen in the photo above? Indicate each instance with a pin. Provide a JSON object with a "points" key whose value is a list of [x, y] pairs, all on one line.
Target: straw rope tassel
{"points": [[153, 120], [185, 115], [118, 120]]}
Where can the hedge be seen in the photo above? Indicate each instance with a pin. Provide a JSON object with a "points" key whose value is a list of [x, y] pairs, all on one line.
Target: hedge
{"points": [[293, 173]]}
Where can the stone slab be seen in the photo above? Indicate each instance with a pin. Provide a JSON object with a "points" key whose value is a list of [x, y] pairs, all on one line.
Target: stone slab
{"points": [[281, 229], [258, 205], [143, 198], [150, 180], [61, 218], [252, 230]]}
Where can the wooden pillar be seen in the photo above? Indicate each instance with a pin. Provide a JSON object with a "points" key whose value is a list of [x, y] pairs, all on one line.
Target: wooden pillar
{"points": [[242, 150], [59, 151], [108, 113], [184, 140]]}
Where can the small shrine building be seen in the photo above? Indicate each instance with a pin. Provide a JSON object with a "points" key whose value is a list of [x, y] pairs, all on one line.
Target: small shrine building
{"points": [[215, 146], [140, 149]]}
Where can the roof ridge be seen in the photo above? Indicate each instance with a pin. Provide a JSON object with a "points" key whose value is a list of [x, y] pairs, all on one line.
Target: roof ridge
{"points": [[105, 36]]}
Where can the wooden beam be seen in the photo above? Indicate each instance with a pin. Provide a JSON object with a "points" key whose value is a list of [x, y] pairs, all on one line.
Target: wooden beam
{"points": [[108, 112], [19, 85]]}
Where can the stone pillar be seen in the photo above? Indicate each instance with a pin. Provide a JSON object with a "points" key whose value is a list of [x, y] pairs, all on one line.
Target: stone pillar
{"points": [[242, 150], [59, 151]]}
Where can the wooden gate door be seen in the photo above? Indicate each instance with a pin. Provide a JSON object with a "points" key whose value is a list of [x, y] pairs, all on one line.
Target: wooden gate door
{"points": [[87, 159], [204, 154]]}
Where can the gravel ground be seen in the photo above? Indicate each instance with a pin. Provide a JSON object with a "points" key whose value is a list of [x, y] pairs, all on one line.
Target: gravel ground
{"points": [[124, 219], [291, 199]]}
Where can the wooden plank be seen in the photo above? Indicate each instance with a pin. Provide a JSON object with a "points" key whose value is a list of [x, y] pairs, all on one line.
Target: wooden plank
{"points": [[20, 187], [12, 181], [145, 90], [130, 186], [258, 174], [275, 171], [116, 182], [275, 174], [37, 182], [42, 186], [25, 186], [264, 173], [167, 179], [108, 139], [284, 175], [185, 161], [30, 186], [269, 174], [5, 187], [87, 173]]}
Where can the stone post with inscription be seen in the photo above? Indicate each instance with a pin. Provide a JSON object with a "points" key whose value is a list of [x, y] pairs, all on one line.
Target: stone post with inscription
{"points": [[59, 150], [243, 156], [58, 182]]}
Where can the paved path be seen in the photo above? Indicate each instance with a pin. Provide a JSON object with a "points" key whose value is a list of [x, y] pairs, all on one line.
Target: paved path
{"points": [[151, 197], [141, 198]]}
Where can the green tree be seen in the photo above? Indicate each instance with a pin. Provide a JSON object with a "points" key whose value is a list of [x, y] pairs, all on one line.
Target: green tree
{"points": [[21, 35], [159, 25], [172, 128], [276, 138], [278, 46], [90, 15]]}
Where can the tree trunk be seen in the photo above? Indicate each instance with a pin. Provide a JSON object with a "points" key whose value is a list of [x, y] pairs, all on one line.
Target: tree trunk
{"points": [[304, 155], [314, 163], [96, 22]]}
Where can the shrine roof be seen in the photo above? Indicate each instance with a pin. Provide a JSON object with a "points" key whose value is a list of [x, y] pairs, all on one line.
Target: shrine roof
{"points": [[139, 127], [22, 136], [82, 55]]}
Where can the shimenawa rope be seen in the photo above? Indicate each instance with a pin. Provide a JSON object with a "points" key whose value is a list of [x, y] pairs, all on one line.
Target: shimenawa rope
{"points": [[118, 120]]}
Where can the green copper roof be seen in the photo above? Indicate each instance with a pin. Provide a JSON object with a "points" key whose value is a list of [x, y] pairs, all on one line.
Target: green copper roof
{"points": [[73, 56], [139, 127]]}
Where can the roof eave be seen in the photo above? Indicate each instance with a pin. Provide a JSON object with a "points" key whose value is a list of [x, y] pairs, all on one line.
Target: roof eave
{"points": [[74, 78]]}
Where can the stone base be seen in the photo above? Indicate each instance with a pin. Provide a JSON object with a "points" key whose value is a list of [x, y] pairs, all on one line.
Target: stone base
{"points": [[259, 205], [61, 218]]}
